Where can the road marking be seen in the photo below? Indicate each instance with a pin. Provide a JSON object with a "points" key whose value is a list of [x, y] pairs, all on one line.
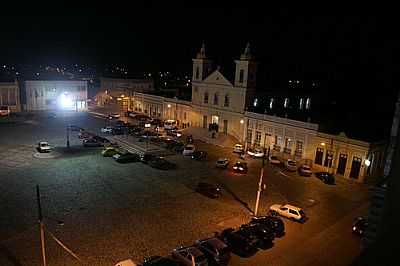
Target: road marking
{"points": [[282, 173]]}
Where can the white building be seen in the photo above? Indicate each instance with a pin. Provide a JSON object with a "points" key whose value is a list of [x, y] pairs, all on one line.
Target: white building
{"points": [[9, 96], [56, 95]]}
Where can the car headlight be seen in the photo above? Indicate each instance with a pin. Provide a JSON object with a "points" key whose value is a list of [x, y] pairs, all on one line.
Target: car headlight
{"points": [[241, 168], [235, 167], [354, 228]]}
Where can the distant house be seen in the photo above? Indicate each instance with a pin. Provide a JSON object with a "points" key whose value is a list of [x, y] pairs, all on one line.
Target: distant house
{"points": [[9, 96], [42, 95]]}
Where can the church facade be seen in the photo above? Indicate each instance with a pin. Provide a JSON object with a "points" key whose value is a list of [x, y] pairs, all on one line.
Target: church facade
{"points": [[218, 108]]}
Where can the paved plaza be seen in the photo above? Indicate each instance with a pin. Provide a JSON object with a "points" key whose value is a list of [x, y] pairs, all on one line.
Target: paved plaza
{"points": [[106, 212]]}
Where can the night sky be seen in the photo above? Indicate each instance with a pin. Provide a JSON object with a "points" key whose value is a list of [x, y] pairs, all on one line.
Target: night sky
{"points": [[356, 51]]}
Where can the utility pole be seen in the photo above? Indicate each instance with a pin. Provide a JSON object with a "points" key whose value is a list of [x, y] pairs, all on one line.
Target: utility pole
{"points": [[41, 226], [68, 136], [260, 184]]}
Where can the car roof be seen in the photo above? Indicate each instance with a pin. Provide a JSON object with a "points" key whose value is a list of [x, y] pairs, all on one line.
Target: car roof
{"points": [[190, 145], [215, 242], [222, 159], [192, 250], [292, 207]]}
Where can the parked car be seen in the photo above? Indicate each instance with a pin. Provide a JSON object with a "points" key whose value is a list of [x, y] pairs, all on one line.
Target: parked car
{"points": [[5, 110], [290, 165], [85, 134], [288, 211], [92, 143], [120, 123], [209, 190], [126, 158], [199, 155], [215, 250], [263, 233], [43, 146], [256, 153], [101, 139], [112, 116], [222, 163], [238, 241], [305, 170], [147, 157], [160, 261], [273, 222], [107, 129], [110, 151], [189, 149], [75, 128], [274, 160], [157, 122], [186, 255], [238, 148], [326, 177], [359, 226], [240, 167], [174, 133], [161, 164]]}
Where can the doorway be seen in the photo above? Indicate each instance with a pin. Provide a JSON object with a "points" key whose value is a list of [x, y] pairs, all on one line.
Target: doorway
{"points": [[342, 164], [355, 167], [318, 156], [225, 127]]}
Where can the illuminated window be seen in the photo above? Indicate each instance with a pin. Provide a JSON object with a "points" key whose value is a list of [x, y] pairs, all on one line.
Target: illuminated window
{"points": [[255, 102], [301, 104], [308, 103], [271, 103], [286, 103]]}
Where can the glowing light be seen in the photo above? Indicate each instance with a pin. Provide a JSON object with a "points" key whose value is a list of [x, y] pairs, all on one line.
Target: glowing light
{"points": [[65, 101], [367, 162], [241, 121], [322, 144], [169, 106]]}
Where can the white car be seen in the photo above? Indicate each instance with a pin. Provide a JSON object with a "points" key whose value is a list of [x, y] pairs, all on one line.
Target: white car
{"points": [[43, 146], [257, 152], [106, 129], [305, 170], [188, 150], [290, 165], [274, 160], [222, 163], [238, 148], [111, 116], [288, 211], [128, 262]]}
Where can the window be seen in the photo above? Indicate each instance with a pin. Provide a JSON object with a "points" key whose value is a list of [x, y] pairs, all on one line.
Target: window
{"points": [[255, 102], [257, 141], [278, 140], [288, 143], [206, 97], [4, 97], [286, 103], [197, 72], [184, 115], [318, 156], [271, 103], [249, 136], [299, 148], [308, 103], [215, 99], [293, 212], [328, 159], [12, 97], [241, 75], [301, 104], [226, 101]]}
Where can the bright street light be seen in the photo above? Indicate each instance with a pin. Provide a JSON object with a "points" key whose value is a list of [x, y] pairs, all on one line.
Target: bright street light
{"points": [[367, 162]]}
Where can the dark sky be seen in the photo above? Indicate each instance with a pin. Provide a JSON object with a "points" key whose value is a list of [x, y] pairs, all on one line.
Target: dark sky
{"points": [[351, 49]]}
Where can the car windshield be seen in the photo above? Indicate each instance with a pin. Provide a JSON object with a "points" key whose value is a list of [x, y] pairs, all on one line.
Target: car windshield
{"points": [[189, 148], [221, 161]]}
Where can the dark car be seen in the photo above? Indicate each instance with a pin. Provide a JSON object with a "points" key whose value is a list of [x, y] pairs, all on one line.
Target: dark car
{"points": [[146, 158], [126, 158], [92, 143], [215, 250], [240, 167], [101, 139], [326, 177], [178, 147], [161, 164], [117, 131], [238, 241], [275, 223], [263, 233], [160, 261], [359, 226], [120, 123], [157, 122], [209, 190], [75, 128], [199, 155]]}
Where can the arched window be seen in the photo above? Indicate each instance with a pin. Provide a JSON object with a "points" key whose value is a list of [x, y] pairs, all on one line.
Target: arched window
{"points": [[197, 72], [271, 103], [206, 97], [308, 103], [215, 98], [226, 101], [286, 103], [301, 104]]}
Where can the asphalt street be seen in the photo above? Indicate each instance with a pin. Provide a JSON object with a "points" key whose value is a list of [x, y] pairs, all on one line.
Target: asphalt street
{"points": [[106, 212]]}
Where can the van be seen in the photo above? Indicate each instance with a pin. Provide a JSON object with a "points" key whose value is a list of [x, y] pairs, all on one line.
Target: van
{"points": [[169, 124]]}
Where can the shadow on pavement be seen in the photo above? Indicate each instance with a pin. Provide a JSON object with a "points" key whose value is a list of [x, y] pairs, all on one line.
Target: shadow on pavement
{"points": [[245, 204], [5, 253], [76, 151]]}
